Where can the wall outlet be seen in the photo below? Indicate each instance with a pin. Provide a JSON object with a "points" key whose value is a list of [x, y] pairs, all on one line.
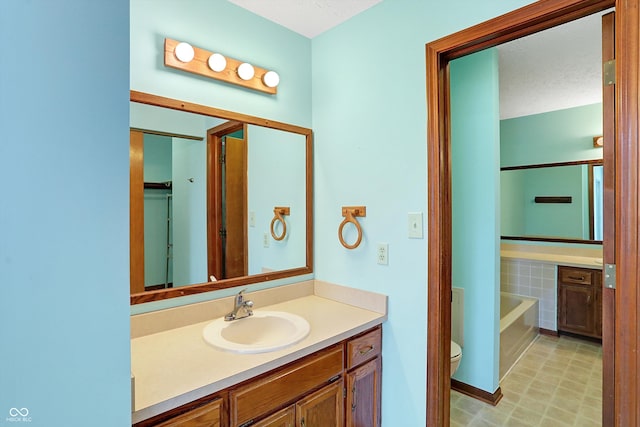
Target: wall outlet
{"points": [[265, 240], [383, 253]]}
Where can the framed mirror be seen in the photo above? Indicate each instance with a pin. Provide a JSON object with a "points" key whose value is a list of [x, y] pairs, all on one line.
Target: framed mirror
{"points": [[554, 202], [217, 199]]}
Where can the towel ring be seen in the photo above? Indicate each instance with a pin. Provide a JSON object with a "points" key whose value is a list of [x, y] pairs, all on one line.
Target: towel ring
{"points": [[278, 212], [350, 213]]}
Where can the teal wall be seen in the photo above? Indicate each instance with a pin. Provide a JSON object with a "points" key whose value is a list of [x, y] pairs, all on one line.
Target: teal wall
{"points": [[569, 220], [556, 136], [369, 119], [475, 184], [276, 174], [64, 214], [512, 203]]}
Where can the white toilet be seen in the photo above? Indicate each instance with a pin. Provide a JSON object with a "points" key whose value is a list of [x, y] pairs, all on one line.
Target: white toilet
{"points": [[456, 355]]}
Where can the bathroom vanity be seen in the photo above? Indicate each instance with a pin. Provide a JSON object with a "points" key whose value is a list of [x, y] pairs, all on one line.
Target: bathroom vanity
{"points": [[580, 301], [331, 377]]}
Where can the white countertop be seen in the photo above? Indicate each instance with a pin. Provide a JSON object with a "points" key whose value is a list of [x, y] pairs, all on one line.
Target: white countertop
{"points": [[564, 255], [177, 366]]}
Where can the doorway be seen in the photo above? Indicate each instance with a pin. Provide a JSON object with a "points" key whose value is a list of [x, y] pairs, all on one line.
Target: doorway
{"points": [[227, 201], [620, 373]]}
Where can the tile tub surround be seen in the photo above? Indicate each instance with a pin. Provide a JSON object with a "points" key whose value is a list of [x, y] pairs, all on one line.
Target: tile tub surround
{"points": [[173, 365], [533, 279]]}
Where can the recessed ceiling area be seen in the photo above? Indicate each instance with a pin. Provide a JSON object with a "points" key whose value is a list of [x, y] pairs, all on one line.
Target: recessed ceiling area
{"points": [[307, 17], [552, 70]]}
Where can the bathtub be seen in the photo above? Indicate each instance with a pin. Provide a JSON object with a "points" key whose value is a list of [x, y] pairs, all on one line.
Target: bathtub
{"points": [[518, 327]]}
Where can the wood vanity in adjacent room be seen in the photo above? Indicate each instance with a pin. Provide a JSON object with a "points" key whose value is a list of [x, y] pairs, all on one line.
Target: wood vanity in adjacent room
{"points": [[580, 301]]}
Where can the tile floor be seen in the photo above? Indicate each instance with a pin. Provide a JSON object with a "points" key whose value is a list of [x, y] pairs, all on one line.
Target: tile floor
{"points": [[557, 382]]}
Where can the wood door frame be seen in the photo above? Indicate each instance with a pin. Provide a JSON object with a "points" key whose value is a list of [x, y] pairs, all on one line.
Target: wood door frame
{"points": [[214, 196], [620, 409]]}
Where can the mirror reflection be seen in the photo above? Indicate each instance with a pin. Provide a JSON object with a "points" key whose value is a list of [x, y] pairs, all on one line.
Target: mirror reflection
{"points": [[203, 194], [554, 202]]}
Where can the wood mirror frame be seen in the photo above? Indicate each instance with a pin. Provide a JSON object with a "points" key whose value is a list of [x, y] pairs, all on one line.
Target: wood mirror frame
{"points": [[136, 229], [558, 238]]}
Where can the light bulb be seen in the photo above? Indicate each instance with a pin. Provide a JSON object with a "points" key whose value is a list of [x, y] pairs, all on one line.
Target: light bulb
{"points": [[271, 79], [246, 71], [217, 62], [184, 52]]}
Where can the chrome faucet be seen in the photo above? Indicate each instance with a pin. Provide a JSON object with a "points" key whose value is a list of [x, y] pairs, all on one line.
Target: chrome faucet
{"points": [[241, 308]]}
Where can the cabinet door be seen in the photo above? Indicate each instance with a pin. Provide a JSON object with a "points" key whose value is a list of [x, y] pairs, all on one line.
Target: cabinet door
{"points": [[576, 309], [283, 418], [209, 415], [363, 395], [324, 408]]}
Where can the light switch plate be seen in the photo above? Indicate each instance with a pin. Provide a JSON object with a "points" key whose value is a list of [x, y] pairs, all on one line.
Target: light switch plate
{"points": [[415, 225]]}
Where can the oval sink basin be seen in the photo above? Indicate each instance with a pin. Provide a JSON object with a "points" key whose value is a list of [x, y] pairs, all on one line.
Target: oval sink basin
{"points": [[263, 332]]}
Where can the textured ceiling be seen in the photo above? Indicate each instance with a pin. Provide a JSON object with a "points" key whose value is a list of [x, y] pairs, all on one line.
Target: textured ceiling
{"points": [[556, 69], [552, 70], [307, 17]]}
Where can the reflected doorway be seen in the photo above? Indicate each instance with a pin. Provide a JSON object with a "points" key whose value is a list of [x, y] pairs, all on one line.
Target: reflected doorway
{"points": [[227, 201]]}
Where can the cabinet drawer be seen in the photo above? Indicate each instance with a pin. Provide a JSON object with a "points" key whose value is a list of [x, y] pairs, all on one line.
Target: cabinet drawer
{"points": [[578, 276], [364, 347], [209, 415], [285, 385]]}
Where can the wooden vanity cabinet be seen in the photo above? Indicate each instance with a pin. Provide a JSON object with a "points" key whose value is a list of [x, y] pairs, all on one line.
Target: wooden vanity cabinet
{"points": [[334, 387], [580, 301]]}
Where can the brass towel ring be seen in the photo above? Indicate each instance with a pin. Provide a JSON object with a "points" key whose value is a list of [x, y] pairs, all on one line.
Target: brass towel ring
{"points": [[349, 213], [278, 212]]}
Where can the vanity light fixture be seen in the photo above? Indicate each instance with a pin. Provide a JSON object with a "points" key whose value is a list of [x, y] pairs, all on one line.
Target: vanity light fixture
{"points": [[183, 56], [271, 79], [217, 62], [184, 52], [246, 71]]}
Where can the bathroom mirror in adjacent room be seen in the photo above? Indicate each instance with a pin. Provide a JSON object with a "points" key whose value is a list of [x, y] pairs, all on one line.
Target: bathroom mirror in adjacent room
{"points": [[557, 202], [204, 186]]}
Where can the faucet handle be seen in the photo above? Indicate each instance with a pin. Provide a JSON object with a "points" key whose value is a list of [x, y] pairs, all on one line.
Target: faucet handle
{"points": [[239, 297]]}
